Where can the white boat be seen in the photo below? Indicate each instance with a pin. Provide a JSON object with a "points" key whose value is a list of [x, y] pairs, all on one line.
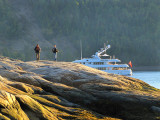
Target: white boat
{"points": [[104, 62]]}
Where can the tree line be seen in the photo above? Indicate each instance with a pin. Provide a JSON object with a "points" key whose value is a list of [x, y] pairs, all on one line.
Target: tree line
{"points": [[131, 27]]}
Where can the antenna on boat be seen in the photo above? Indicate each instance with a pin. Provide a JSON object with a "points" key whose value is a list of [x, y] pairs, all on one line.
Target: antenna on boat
{"points": [[104, 45], [81, 48]]}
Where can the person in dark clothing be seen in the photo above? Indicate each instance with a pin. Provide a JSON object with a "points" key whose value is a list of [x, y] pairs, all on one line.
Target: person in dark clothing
{"points": [[55, 50], [37, 50]]}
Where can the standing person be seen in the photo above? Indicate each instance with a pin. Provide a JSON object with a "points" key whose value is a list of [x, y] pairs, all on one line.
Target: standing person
{"points": [[37, 50], [55, 50]]}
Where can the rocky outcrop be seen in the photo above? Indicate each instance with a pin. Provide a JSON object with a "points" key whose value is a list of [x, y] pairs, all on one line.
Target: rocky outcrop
{"points": [[64, 90]]}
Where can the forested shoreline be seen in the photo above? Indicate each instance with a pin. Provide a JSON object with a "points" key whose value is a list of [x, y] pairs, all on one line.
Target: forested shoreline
{"points": [[131, 27]]}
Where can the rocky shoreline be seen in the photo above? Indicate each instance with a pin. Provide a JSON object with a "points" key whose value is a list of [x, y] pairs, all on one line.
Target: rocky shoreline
{"points": [[63, 91]]}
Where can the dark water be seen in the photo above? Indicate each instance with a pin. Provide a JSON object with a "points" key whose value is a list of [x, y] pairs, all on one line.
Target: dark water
{"points": [[150, 77]]}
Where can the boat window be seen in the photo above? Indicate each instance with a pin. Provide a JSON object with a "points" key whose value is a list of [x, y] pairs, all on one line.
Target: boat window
{"points": [[101, 68], [83, 62], [119, 68], [111, 63], [98, 63]]}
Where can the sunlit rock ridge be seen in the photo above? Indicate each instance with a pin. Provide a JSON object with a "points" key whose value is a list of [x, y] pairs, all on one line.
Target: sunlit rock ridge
{"points": [[48, 90]]}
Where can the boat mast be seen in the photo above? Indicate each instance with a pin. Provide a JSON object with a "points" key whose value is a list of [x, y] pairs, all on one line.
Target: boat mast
{"points": [[81, 48], [104, 45]]}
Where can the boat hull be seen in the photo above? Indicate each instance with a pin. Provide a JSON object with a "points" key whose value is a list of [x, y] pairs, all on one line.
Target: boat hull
{"points": [[120, 72]]}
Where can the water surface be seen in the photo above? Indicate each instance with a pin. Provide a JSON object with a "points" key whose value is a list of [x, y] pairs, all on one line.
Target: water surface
{"points": [[150, 77]]}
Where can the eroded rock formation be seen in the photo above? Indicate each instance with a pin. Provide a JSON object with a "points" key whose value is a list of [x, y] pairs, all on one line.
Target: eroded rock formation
{"points": [[63, 90]]}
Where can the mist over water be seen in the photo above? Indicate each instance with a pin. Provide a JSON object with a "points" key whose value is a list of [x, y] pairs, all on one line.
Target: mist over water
{"points": [[150, 77]]}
